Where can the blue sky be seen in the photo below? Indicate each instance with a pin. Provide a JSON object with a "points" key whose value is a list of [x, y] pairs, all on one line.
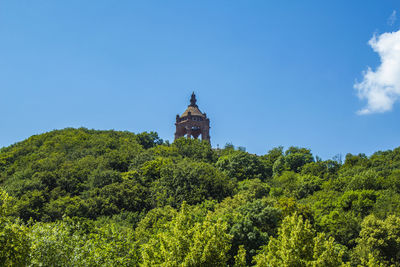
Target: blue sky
{"points": [[267, 73]]}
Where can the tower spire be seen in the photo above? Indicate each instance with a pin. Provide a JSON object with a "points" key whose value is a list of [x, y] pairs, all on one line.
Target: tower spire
{"points": [[193, 100]]}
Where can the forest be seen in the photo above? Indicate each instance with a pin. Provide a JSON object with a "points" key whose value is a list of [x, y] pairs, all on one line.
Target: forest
{"points": [[80, 197]]}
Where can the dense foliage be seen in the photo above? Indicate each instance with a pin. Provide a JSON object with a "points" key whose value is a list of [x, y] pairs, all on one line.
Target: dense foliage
{"points": [[79, 197]]}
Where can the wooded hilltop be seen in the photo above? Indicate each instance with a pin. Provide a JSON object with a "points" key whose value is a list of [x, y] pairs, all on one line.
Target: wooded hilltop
{"points": [[79, 197]]}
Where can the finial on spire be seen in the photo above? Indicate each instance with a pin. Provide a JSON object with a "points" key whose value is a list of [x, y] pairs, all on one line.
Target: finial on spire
{"points": [[193, 100]]}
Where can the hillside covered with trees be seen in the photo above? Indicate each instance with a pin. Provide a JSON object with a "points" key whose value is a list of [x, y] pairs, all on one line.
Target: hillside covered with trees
{"points": [[79, 197]]}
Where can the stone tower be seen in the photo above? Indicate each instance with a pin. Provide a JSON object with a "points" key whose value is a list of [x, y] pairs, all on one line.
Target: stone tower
{"points": [[193, 122]]}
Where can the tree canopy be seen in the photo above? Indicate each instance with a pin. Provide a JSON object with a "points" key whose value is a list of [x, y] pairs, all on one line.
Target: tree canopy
{"points": [[79, 197]]}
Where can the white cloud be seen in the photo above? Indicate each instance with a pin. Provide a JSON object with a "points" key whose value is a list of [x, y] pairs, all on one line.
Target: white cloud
{"points": [[381, 88], [392, 18]]}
